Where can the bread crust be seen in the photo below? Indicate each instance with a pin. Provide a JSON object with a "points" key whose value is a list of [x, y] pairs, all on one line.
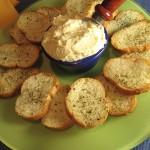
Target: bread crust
{"points": [[128, 50], [56, 87], [133, 105], [17, 35], [139, 55], [63, 9]]}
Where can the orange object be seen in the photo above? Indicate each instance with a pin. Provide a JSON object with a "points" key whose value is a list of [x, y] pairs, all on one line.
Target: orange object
{"points": [[7, 13], [14, 2]]}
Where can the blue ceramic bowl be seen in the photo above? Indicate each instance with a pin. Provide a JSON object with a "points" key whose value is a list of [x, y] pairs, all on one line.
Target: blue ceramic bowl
{"points": [[81, 65]]}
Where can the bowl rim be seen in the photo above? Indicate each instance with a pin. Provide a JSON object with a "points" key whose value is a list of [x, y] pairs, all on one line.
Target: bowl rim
{"points": [[83, 60]]}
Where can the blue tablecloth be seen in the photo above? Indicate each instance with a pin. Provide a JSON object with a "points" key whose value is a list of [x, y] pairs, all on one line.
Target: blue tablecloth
{"points": [[146, 5]]}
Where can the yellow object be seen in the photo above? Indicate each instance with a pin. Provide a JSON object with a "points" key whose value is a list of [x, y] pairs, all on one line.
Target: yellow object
{"points": [[14, 2], [7, 13]]}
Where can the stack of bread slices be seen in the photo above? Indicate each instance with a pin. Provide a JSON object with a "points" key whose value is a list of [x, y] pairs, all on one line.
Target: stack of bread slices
{"points": [[41, 97], [126, 76], [18, 58], [130, 35]]}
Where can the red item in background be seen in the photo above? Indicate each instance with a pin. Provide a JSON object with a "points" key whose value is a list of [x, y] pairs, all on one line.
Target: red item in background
{"points": [[106, 9]]}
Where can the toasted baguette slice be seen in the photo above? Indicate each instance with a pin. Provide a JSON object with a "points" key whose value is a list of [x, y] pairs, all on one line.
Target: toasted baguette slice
{"points": [[121, 104], [17, 35], [140, 55], [123, 19], [86, 103], [11, 80], [57, 117], [13, 55], [131, 76], [133, 38], [33, 25], [36, 93], [50, 12], [82, 7]]}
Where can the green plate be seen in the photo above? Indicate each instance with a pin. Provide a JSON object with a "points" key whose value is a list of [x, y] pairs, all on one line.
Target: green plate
{"points": [[117, 133]]}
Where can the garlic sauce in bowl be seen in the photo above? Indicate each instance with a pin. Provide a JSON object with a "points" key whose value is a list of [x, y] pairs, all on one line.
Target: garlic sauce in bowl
{"points": [[73, 39]]}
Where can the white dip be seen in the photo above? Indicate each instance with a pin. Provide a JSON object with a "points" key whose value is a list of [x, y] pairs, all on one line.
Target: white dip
{"points": [[73, 39]]}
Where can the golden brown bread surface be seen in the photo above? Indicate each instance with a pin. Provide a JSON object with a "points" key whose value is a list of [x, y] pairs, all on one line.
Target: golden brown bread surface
{"points": [[82, 7], [123, 19], [139, 55], [50, 12], [63, 10], [131, 76], [86, 103], [13, 55], [17, 35], [12, 80], [36, 94], [57, 117], [120, 104], [33, 24], [134, 38]]}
